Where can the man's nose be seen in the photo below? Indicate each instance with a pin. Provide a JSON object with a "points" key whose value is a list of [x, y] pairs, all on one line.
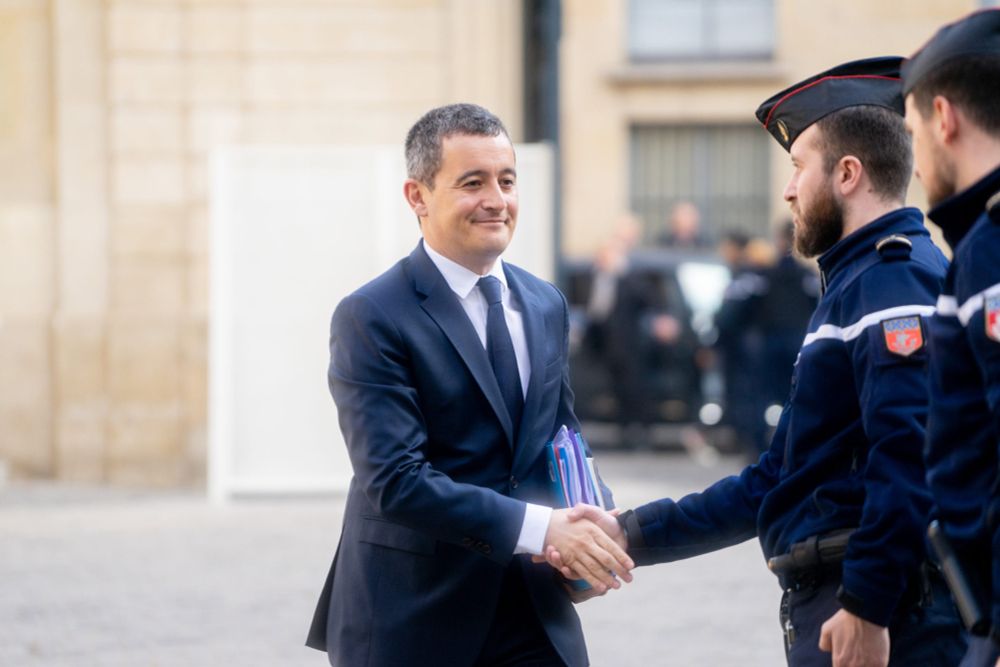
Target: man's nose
{"points": [[493, 198], [789, 193]]}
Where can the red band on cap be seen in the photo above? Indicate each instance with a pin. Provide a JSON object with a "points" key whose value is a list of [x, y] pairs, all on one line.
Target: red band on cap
{"points": [[767, 121]]}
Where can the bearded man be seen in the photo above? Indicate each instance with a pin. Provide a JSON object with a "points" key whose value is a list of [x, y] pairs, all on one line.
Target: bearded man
{"points": [[839, 501]]}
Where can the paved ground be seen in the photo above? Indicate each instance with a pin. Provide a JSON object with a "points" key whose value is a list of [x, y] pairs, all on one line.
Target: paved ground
{"points": [[106, 577]]}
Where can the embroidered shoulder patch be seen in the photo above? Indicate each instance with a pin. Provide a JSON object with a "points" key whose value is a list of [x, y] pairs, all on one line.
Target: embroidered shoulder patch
{"points": [[991, 313], [903, 335]]}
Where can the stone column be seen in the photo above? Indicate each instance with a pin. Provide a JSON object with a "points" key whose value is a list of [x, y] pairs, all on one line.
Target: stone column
{"points": [[79, 322]]}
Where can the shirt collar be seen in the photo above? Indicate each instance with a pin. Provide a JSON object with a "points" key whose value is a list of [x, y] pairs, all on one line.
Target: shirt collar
{"points": [[461, 280]]}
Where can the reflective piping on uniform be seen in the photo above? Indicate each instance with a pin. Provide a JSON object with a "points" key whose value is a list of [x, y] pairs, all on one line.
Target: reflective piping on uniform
{"points": [[947, 306], [852, 331]]}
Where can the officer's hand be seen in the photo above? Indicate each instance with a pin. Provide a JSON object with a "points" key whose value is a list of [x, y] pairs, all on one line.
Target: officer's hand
{"points": [[854, 641], [588, 551]]}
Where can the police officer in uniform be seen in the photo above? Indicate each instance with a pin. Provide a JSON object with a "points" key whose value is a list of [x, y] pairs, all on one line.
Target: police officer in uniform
{"points": [[952, 90], [839, 500]]}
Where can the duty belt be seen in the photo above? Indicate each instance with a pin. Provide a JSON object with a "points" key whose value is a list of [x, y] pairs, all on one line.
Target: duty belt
{"points": [[812, 554]]}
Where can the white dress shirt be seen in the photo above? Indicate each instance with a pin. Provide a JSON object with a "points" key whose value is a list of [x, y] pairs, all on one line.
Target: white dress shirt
{"points": [[463, 283]]}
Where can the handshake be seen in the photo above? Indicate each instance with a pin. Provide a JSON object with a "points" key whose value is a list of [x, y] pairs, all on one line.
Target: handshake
{"points": [[586, 542]]}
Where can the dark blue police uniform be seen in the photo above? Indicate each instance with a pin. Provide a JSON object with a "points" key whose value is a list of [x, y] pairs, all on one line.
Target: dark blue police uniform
{"points": [[847, 451], [964, 423], [845, 466]]}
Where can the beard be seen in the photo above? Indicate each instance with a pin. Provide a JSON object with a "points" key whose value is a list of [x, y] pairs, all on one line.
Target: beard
{"points": [[939, 183], [822, 225]]}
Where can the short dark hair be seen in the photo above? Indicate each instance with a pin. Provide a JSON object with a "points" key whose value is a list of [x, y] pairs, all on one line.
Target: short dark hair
{"points": [[423, 141], [877, 137], [737, 238], [970, 83]]}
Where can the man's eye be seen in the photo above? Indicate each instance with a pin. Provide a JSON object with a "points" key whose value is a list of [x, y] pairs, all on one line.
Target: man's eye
{"points": [[508, 182], [471, 184]]}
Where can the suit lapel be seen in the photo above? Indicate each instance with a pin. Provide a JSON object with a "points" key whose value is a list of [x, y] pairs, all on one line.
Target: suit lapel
{"points": [[444, 308], [532, 314]]}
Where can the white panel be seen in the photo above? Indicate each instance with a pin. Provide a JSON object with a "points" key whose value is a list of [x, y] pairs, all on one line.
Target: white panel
{"points": [[294, 230]]}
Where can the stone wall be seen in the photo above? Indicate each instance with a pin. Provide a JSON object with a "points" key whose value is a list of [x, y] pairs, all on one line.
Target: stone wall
{"points": [[110, 113]]}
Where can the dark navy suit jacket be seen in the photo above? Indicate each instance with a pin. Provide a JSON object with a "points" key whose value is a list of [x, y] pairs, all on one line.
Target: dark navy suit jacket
{"points": [[437, 500]]}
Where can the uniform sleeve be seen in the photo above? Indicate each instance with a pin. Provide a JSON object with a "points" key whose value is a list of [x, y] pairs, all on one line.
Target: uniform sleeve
{"points": [[983, 335], [370, 379], [722, 515], [890, 375]]}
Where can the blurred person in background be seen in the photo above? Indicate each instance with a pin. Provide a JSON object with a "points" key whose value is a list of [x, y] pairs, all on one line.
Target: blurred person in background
{"points": [[683, 229], [789, 297], [449, 372], [740, 345], [628, 319], [952, 89]]}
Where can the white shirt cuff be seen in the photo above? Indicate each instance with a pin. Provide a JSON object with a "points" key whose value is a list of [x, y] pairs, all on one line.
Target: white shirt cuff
{"points": [[533, 529]]}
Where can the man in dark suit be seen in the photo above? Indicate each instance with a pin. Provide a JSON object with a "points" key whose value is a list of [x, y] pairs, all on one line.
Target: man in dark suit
{"points": [[449, 372]]}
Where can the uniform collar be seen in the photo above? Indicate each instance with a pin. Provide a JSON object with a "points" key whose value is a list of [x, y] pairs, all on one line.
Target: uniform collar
{"points": [[460, 279], [956, 214], [909, 221]]}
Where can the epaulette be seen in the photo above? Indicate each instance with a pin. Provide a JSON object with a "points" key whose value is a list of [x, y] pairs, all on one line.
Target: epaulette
{"points": [[993, 207], [893, 247]]}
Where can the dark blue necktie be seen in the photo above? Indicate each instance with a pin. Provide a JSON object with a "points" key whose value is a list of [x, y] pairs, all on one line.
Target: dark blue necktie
{"points": [[501, 351]]}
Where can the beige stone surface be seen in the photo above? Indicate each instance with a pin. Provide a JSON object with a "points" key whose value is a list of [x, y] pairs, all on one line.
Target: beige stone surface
{"points": [[144, 27], [81, 438], [26, 262], [148, 286], [25, 113], [148, 180], [143, 355], [214, 28], [79, 345], [146, 446], [25, 395], [144, 79], [211, 125], [215, 80], [149, 231], [145, 130]]}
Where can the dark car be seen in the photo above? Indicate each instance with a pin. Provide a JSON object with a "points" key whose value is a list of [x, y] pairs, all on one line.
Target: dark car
{"points": [[621, 370]]}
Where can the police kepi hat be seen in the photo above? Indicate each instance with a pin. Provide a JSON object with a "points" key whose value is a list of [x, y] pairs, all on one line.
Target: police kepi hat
{"points": [[873, 81], [975, 35]]}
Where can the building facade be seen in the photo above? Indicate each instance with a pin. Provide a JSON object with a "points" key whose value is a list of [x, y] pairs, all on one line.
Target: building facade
{"points": [[111, 109], [658, 101]]}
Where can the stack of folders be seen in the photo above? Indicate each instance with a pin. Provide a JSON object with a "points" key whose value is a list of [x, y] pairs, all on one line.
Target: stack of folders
{"points": [[571, 471], [573, 476]]}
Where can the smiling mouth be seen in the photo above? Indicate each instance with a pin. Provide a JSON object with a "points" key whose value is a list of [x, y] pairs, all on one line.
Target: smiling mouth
{"points": [[491, 221]]}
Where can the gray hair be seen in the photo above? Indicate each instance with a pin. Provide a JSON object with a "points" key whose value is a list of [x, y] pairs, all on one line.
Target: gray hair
{"points": [[423, 141]]}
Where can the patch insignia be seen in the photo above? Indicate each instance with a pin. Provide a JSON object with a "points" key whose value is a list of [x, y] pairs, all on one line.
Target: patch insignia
{"points": [[903, 335], [991, 313]]}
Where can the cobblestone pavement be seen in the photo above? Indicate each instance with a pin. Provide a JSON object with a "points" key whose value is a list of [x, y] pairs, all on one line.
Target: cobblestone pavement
{"points": [[111, 577]]}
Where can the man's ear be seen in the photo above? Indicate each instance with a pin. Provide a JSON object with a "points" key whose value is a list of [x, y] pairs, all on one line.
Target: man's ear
{"points": [[847, 174], [944, 119], [413, 190]]}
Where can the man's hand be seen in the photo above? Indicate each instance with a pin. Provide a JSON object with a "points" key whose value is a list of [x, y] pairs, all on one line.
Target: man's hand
{"points": [[586, 551], [854, 641]]}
